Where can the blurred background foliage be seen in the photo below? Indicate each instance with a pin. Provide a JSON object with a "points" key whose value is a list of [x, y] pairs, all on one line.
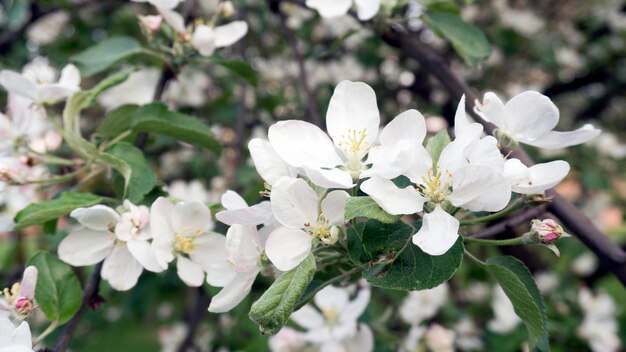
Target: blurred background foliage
{"points": [[574, 51]]}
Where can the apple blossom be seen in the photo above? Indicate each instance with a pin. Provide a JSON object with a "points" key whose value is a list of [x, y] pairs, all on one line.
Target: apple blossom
{"points": [[270, 166], [419, 306], [206, 38], [238, 212], [19, 300], [287, 340], [599, 326], [14, 339], [440, 339], [120, 240], [534, 179], [182, 231], [366, 9], [468, 174], [335, 321], [529, 118], [297, 206], [37, 82]]}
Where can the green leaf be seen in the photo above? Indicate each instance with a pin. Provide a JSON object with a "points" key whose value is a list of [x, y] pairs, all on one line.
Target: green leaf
{"points": [[117, 121], [104, 54], [142, 180], [395, 262], [436, 144], [520, 287], [58, 291], [273, 309], [39, 213], [239, 68], [468, 40], [368, 208], [156, 118]]}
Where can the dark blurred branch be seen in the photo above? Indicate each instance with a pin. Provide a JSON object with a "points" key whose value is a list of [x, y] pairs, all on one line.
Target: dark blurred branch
{"points": [[194, 318], [311, 103], [90, 295]]}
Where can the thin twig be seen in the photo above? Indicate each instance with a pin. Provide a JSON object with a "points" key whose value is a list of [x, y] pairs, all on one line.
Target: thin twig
{"points": [[508, 224], [195, 318]]}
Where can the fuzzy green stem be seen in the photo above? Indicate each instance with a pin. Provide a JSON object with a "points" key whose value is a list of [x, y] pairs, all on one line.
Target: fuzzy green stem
{"points": [[48, 331], [519, 203], [472, 257], [509, 242]]}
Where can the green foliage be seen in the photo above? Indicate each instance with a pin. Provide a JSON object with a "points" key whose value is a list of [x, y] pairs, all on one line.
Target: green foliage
{"points": [[394, 262], [273, 309], [468, 40], [157, 118], [436, 144], [239, 68], [520, 287], [142, 179], [117, 121], [366, 207], [42, 212], [58, 291], [104, 54]]}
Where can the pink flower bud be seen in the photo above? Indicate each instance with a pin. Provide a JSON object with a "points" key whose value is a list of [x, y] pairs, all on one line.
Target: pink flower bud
{"points": [[23, 306], [152, 24], [548, 230]]}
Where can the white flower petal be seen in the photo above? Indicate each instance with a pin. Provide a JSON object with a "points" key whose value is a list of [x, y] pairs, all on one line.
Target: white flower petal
{"points": [[18, 84], [328, 178], [145, 254], [287, 248], [479, 188], [85, 247], [367, 9], [308, 318], [542, 177], [328, 8], [161, 212], [353, 112], [353, 310], [491, 109], [210, 254], [408, 125], [529, 115], [255, 215], [242, 247], [70, 78], [233, 293], [294, 202], [97, 217], [203, 39], [268, 163], [515, 172], [173, 18], [121, 269], [189, 272], [438, 233], [556, 139], [392, 199], [390, 161], [54, 93], [300, 143], [332, 298], [191, 218], [231, 200], [333, 207], [229, 34]]}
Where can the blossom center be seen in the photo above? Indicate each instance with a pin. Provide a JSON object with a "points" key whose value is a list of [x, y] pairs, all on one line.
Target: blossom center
{"points": [[322, 230], [184, 244], [354, 147], [331, 316], [435, 184]]}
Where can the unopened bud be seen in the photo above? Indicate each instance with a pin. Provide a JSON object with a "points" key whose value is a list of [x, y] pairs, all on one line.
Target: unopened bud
{"points": [[548, 230], [23, 306], [226, 9], [151, 24]]}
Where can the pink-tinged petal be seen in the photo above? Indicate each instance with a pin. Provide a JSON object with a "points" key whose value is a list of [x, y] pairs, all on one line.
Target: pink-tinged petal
{"points": [[294, 202], [353, 111], [16, 83], [330, 9], [556, 139], [308, 318], [233, 293], [333, 207], [366, 9], [287, 248], [479, 188], [491, 109], [189, 272], [145, 254], [268, 163], [300, 143], [121, 269], [242, 247], [329, 178], [191, 218], [392, 199], [97, 217], [438, 233], [530, 115], [255, 215], [85, 247], [230, 33], [29, 282], [203, 39]]}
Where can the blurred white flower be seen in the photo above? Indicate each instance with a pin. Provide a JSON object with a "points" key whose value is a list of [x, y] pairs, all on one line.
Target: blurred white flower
{"points": [[188, 89], [505, 320], [547, 281], [419, 306], [585, 264], [468, 335], [440, 339], [138, 88], [366, 9], [46, 29], [190, 191], [287, 340], [600, 326]]}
